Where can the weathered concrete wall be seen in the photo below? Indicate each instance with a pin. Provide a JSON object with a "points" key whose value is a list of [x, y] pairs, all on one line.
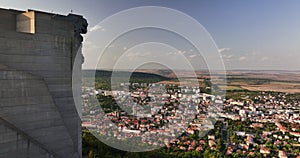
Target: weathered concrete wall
{"points": [[17, 144], [36, 81]]}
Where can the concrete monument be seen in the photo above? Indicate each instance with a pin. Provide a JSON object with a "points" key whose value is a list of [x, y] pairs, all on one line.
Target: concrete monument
{"points": [[38, 117]]}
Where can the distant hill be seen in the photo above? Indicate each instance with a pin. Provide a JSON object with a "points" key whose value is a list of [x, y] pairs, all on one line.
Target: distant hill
{"points": [[135, 76], [106, 73]]}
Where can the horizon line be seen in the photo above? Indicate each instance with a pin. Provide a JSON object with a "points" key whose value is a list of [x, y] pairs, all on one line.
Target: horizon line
{"points": [[199, 70]]}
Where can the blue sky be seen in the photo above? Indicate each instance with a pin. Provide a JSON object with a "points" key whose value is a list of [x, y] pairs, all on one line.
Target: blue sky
{"points": [[251, 34]]}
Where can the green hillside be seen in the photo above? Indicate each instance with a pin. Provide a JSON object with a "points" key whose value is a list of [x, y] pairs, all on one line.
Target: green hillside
{"points": [[103, 77]]}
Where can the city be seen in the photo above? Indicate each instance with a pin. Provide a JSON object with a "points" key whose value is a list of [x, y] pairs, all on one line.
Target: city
{"points": [[259, 124]]}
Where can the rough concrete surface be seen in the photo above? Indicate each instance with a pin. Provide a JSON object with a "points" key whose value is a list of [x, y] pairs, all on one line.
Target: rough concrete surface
{"points": [[38, 117]]}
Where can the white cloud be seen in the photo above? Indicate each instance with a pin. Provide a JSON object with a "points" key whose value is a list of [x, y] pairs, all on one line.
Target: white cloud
{"points": [[193, 56], [242, 58], [227, 56], [264, 59], [171, 53], [181, 52], [220, 50], [95, 28]]}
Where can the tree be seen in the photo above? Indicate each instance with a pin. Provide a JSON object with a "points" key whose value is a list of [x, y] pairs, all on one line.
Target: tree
{"points": [[91, 154], [206, 153]]}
